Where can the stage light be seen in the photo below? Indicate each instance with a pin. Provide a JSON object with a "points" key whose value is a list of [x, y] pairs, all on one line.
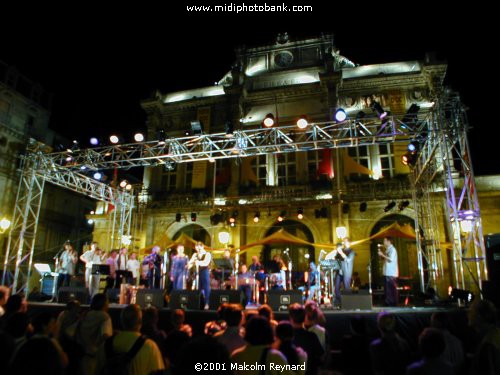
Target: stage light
{"points": [[160, 135], [413, 147], [229, 129], [376, 107], [114, 139], [123, 184], [193, 216], [300, 213], [341, 232], [256, 217], [410, 118], [97, 175], [340, 115], [178, 217], [196, 127], [215, 219], [94, 141], [138, 137], [321, 213], [345, 208], [69, 158], [363, 206], [269, 120], [390, 206], [409, 159], [465, 296], [90, 221], [281, 216], [128, 187], [232, 221], [402, 205], [302, 122]]}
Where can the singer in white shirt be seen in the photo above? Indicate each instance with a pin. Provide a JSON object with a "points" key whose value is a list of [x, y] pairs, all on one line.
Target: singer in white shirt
{"points": [[390, 272]]}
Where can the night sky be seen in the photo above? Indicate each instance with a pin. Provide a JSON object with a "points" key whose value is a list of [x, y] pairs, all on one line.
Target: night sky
{"points": [[100, 62]]}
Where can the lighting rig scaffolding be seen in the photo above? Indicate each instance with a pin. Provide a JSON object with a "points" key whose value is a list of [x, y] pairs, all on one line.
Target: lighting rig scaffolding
{"points": [[441, 133]]}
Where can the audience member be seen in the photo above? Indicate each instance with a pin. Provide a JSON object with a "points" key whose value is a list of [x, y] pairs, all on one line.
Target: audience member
{"points": [[356, 346], [266, 311], [91, 332], [147, 360], [205, 350], [284, 343], [453, 350], [259, 335], [150, 318], [4, 296], [311, 323], [483, 318], [176, 339], [231, 337], [44, 325], [37, 356], [389, 354], [305, 339], [431, 344]]}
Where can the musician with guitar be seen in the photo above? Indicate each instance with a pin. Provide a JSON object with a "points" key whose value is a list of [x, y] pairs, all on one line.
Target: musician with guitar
{"points": [[66, 265], [154, 262], [346, 266]]}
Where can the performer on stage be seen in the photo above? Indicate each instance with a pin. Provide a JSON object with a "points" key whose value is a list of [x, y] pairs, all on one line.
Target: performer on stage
{"points": [[87, 258], [121, 261], [256, 265], [67, 265], [390, 272], [112, 263], [133, 265], [313, 282], [346, 266], [178, 272], [202, 260], [154, 261], [279, 279], [245, 281]]}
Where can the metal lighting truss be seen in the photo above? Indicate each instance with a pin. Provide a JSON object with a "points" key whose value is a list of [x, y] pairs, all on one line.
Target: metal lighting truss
{"points": [[438, 134], [36, 170], [443, 173]]}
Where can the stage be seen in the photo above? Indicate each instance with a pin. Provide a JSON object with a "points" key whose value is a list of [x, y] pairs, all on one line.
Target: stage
{"points": [[411, 320]]}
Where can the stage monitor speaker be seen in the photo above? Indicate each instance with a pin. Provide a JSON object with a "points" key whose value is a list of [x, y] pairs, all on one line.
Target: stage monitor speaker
{"points": [[113, 295], [48, 285], [150, 297], [69, 293], [492, 244], [279, 300], [185, 299], [218, 297], [490, 292], [361, 300]]}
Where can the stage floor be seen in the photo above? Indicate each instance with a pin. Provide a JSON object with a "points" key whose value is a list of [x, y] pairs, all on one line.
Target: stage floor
{"points": [[411, 320]]}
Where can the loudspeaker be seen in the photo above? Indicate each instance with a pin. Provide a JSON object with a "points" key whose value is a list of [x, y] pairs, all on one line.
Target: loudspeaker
{"points": [[150, 297], [185, 299], [490, 291], [492, 244], [361, 300], [69, 293], [218, 297], [281, 299]]}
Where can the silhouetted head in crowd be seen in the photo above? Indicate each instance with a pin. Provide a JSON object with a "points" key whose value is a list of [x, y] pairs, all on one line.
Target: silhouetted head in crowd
{"points": [[150, 317], [431, 343], [258, 331], [440, 320], [17, 325], [99, 302], [4, 295], [44, 324], [233, 315], [358, 325], [177, 318], [37, 356], [482, 315], [284, 330], [16, 303], [297, 314], [386, 323], [266, 312], [131, 318], [204, 349]]}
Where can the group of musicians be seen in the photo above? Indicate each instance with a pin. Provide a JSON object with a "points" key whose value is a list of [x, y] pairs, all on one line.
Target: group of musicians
{"points": [[336, 267]]}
